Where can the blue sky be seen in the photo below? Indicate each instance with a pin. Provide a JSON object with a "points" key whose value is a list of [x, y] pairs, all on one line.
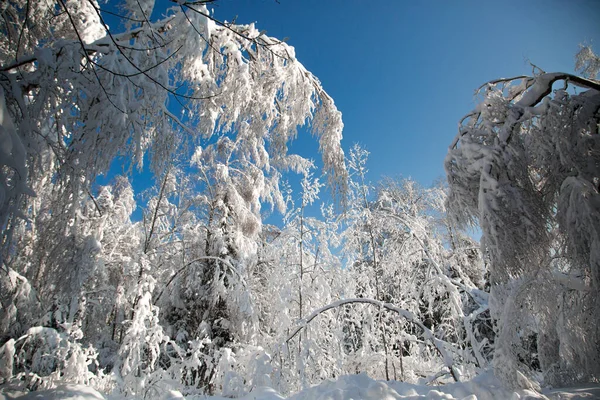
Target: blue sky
{"points": [[403, 72]]}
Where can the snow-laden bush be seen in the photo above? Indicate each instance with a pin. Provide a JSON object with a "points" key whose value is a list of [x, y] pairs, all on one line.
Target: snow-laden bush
{"points": [[45, 357]]}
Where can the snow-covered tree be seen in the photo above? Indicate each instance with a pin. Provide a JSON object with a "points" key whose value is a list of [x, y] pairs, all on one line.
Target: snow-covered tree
{"points": [[398, 254], [76, 94], [525, 165], [213, 106], [299, 271]]}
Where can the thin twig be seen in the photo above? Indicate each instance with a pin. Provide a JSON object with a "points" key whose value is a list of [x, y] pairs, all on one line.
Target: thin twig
{"points": [[134, 65], [86, 55]]}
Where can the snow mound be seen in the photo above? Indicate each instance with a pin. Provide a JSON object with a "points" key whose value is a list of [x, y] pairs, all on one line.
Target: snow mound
{"points": [[64, 392], [355, 387], [259, 393], [581, 392]]}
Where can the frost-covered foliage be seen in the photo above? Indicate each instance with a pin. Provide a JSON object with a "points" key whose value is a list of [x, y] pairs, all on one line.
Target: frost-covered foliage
{"points": [[75, 95], [587, 62], [525, 165], [398, 253], [161, 309], [183, 287], [295, 272], [213, 106]]}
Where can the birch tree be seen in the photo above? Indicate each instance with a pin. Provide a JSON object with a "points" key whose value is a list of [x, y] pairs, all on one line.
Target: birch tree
{"points": [[76, 94], [524, 165]]}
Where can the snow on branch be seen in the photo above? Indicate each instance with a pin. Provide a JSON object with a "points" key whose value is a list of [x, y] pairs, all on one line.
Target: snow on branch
{"points": [[439, 345], [524, 165]]}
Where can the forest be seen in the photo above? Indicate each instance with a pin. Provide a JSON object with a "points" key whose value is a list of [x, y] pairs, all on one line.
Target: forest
{"points": [[247, 269]]}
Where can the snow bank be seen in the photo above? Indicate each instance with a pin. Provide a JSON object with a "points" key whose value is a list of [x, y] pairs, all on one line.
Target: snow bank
{"points": [[62, 392], [361, 387], [583, 392], [484, 387], [355, 387]]}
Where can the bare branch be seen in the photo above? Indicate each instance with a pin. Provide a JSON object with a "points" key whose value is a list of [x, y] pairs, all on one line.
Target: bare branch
{"points": [[119, 15]]}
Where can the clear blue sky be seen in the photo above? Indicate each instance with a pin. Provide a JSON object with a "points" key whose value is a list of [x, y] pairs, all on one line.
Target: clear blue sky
{"points": [[403, 72]]}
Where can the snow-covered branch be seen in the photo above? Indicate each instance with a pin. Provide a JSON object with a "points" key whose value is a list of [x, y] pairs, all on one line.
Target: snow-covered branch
{"points": [[524, 165], [441, 346]]}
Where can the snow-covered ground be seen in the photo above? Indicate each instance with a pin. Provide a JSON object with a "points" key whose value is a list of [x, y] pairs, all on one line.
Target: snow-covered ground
{"points": [[70, 392], [352, 387]]}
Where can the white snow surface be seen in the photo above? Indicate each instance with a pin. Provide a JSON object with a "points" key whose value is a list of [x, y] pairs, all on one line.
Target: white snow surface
{"points": [[66, 392], [350, 387]]}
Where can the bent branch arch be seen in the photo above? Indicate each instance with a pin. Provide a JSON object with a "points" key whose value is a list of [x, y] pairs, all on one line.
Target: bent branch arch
{"points": [[427, 333]]}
